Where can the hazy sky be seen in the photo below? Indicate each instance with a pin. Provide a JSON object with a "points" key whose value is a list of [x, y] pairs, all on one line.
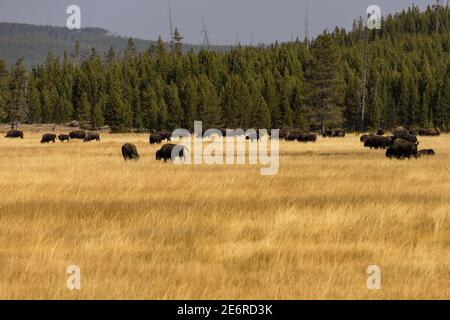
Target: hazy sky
{"points": [[263, 20]]}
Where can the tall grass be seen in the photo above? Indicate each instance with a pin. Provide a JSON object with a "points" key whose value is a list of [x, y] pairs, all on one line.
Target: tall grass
{"points": [[153, 230]]}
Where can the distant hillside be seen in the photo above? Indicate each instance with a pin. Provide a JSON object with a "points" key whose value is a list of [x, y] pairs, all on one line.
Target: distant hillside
{"points": [[35, 42]]}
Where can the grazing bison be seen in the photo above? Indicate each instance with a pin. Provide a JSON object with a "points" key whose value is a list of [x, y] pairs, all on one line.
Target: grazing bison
{"points": [[426, 152], [292, 137], [14, 134], [380, 132], [334, 133], [79, 134], [155, 138], [409, 137], [432, 132], [400, 131], [378, 142], [63, 137], [90, 136], [166, 151], [48, 137], [307, 137], [129, 152], [165, 135], [364, 137], [401, 149]]}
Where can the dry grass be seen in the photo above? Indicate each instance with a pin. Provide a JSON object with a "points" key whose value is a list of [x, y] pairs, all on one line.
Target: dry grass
{"points": [[150, 230]]}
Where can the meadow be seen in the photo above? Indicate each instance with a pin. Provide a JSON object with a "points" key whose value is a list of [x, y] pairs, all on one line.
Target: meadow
{"points": [[153, 230]]}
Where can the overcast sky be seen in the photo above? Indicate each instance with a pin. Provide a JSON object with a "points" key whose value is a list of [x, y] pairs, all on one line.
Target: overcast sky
{"points": [[264, 21]]}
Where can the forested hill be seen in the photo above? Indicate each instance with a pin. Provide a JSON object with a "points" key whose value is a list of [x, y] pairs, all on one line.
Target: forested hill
{"points": [[33, 43], [406, 66]]}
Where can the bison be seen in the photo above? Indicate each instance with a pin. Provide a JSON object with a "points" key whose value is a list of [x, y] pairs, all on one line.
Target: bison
{"points": [[79, 134], [430, 132], [155, 138], [426, 152], [90, 136], [129, 152], [165, 135], [48, 137], [334, 133], [380, 132], [292, 137], [63, 137], [166, 151], [378, 142], [401, 149], [14, 134], [307, 137]]}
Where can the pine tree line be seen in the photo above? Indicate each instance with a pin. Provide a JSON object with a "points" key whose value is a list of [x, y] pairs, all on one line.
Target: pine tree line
{"points": [[284, 85]]}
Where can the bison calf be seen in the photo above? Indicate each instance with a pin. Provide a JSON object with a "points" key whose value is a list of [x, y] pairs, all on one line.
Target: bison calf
{"points": [[14, 134], [426, 153], [48, 137], [129, 152]]}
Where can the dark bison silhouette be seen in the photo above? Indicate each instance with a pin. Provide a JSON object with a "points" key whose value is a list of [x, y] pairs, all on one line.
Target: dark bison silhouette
{"points": [[334, 133], [79, 134], [48, 137], [426, 153], [401, 149], [378, 142], [63, 137], [307, 137], [165, 135], [166, 151], [155, 138], [380, 132], [129, 152], [430, 132], [91, 136], [364, 137], [14, 134]]}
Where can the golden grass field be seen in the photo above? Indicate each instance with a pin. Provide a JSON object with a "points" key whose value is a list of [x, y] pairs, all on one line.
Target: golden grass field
{"points": [[153, 230]]}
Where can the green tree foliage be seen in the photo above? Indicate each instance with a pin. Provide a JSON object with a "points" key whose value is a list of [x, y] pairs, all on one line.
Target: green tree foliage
{"points": [[282, 85]]}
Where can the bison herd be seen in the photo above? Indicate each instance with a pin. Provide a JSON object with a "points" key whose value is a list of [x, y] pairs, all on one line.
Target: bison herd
{"points": [[401, 144]]}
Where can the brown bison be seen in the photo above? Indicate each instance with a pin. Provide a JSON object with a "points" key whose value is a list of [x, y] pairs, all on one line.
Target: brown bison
{"points": [[378, 142], [48, 137], [155, 138], [129, 152], [170, 152], [334, 133], [91, 136], [307, 137], [63, 137], [79, 134], [401, 149], [165, 135], [431, 132], [14, 134]]}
